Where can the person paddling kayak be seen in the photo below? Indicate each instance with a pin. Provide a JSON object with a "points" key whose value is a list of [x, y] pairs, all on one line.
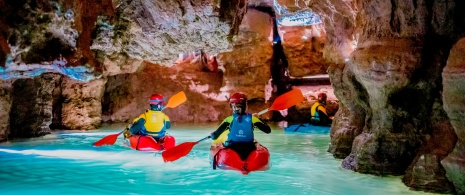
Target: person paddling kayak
{"points": [[152, 122], [236, 131]]}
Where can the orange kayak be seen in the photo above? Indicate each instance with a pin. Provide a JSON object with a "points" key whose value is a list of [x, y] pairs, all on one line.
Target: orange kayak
{"points": [[147, 143]]}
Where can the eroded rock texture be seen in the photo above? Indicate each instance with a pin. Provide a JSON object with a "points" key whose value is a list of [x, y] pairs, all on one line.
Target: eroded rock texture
{"points": [[39, 32], [454, 105], [110, 37], [82, 103], [247, 66], [123, 101], [5, 107], [158, 31], [391, 119], [32, 103], [303, 47]]}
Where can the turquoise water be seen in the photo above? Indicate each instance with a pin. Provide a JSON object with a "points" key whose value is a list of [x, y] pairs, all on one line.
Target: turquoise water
{"points": [[66, 163]]}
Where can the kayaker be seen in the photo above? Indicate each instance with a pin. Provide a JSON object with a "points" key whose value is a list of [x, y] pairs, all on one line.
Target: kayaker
{"points": [[240, 127], [152, 122], [318, 112]]}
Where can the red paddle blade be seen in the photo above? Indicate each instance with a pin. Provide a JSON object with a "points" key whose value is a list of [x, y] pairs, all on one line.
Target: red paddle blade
{"points": [[178, 151], [290, 98], [176, 100], [107, 140]]}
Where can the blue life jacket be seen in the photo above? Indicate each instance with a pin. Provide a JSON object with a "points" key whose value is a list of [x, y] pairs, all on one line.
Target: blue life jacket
{"points": [[241, 131]]}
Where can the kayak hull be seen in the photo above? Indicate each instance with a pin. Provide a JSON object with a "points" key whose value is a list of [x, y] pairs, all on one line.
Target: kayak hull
{"points": [[228, 159], [307, 128], [147, 143]]}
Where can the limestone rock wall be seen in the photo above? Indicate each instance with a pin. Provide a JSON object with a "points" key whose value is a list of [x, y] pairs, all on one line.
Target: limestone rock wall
{"points": [[32, 102], [5, 107], [39, 32], [82, 103], [88, 39], [303, 47], [247, 66], [454, 105], [390, 88], [123, 101], [172, 27]]}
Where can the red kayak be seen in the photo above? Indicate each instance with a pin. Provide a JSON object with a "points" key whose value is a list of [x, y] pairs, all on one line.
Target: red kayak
{"points": [[228, 159], [147, 143]]}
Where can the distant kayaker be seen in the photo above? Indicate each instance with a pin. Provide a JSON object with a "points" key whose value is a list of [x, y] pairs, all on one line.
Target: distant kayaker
{"points": [[236, 131], [152, 122], [318, 112]]}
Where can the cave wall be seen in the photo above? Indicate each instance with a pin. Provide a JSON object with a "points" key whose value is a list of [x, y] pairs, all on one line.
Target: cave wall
{"points": [[391, 118], [454, 105], [87, 40], [5, 108], [81, 103]]}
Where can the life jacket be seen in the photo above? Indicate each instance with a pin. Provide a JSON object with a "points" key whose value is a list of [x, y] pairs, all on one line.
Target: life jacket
{"points": [[155, 123], [314, 110], [241, 131]]}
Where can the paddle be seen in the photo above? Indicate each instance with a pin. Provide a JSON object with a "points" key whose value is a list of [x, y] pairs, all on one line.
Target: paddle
{"points": [[284, 101], [180, 150], [173, 102]]}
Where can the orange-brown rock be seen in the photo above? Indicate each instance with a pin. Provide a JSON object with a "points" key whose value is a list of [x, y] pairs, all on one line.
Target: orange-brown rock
{"points": [[303, 47]]}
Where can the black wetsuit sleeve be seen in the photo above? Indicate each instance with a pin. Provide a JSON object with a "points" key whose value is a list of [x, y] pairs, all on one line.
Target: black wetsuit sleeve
{"points": [[263, 127], [222, 128]]}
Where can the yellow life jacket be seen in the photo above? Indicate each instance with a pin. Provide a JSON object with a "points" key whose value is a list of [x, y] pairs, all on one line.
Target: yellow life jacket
{"points": [[318, 106], [223, 137], [154, 122]]}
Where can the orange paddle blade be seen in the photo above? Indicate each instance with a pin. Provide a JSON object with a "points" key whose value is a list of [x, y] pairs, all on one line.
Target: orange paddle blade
{"points": [[178, 151], [176, 100], [107, 140], [288, 99]]}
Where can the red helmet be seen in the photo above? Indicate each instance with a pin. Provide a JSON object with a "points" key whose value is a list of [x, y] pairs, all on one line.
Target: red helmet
{"points": [[238, 103], [322, 96], [238, 98], [156, 99]]}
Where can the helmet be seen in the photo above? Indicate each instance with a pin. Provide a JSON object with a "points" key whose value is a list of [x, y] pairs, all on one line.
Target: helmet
{"points": [[322, 96], [238, 102], [237, 97], [157, 99], [157, 102]]}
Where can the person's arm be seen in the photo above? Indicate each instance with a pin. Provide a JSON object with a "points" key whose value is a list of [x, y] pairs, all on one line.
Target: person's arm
{"points": [[137, 125], [261, 125], [167, 122], [222, 128]]}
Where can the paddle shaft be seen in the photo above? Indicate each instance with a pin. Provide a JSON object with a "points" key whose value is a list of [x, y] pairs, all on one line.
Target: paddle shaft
{"points": [[301, 124], [203, 139], [263, 111]]}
